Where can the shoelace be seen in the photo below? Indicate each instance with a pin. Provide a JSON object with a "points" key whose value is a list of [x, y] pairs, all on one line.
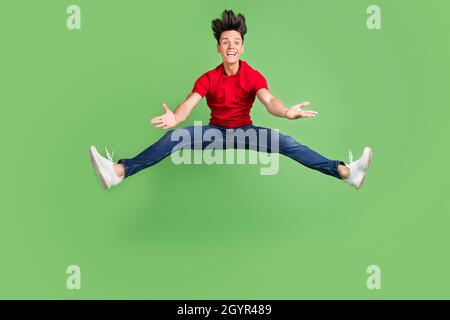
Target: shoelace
{"points": [[350, 156], [110, 156]]}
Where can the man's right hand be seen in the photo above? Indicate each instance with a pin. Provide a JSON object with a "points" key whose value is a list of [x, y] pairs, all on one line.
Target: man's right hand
{"points": [[166, 121]]}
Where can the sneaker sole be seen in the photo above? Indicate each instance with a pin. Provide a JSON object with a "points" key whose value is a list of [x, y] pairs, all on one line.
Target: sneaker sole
{"points": [[97, 170], [366, 168]]}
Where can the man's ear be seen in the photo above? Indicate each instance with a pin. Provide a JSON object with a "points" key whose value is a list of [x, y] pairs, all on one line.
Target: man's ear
{"points": [[217, 47]]}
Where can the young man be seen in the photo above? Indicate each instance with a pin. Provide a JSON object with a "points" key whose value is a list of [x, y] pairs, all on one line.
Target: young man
{"points": [[230, 90]]}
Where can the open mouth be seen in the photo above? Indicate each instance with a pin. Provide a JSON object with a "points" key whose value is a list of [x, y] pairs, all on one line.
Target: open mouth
{"points": [[231, 54]]}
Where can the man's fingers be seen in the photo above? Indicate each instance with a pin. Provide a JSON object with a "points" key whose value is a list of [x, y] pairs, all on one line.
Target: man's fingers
{"points": [[156, 120], [309, 112], [304, 104], [165, 107], [160, 125], [306, 114]]}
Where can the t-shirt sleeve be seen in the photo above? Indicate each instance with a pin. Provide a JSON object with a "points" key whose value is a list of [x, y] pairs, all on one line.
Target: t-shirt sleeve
{"points": [[201, 85], [259, 82]]}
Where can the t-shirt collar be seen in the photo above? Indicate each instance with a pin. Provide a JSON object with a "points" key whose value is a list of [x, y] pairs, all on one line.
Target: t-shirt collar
{"points": [[242, 65]]}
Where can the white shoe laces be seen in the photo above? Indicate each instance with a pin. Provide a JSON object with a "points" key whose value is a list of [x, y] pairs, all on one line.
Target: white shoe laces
{"points": [[350, 156], [110, 156]]}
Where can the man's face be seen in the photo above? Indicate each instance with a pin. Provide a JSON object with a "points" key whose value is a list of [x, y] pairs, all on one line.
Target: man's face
{"points": [[230, 46]]}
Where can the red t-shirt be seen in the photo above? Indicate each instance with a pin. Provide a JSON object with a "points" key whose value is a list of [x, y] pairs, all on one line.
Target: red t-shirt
{"points": [[230, 98]]}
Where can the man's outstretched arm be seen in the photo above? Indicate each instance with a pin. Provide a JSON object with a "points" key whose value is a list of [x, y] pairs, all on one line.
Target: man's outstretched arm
{"points": [[170, 119], [278, 109]]}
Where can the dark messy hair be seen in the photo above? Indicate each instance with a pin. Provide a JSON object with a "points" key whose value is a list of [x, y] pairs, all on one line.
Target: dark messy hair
{"points": [[229, 21]]}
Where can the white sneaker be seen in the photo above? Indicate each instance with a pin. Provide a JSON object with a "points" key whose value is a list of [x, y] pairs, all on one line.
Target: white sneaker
{"points": [[104, 168], [358, 168]]}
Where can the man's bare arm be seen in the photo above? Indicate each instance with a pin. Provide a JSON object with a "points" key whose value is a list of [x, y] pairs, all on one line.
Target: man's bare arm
{"points": [[170, 119], [278, 109], [183, 111], [272, 104]]}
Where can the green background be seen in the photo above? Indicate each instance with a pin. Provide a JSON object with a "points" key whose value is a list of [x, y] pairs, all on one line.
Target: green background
{"points": [[224, 232]]}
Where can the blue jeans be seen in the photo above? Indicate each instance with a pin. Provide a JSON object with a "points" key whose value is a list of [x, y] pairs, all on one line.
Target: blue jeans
{"points": [[287, 146]]}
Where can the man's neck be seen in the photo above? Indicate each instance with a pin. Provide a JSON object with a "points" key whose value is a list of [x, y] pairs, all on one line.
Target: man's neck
{"points": [[231, 68]]}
